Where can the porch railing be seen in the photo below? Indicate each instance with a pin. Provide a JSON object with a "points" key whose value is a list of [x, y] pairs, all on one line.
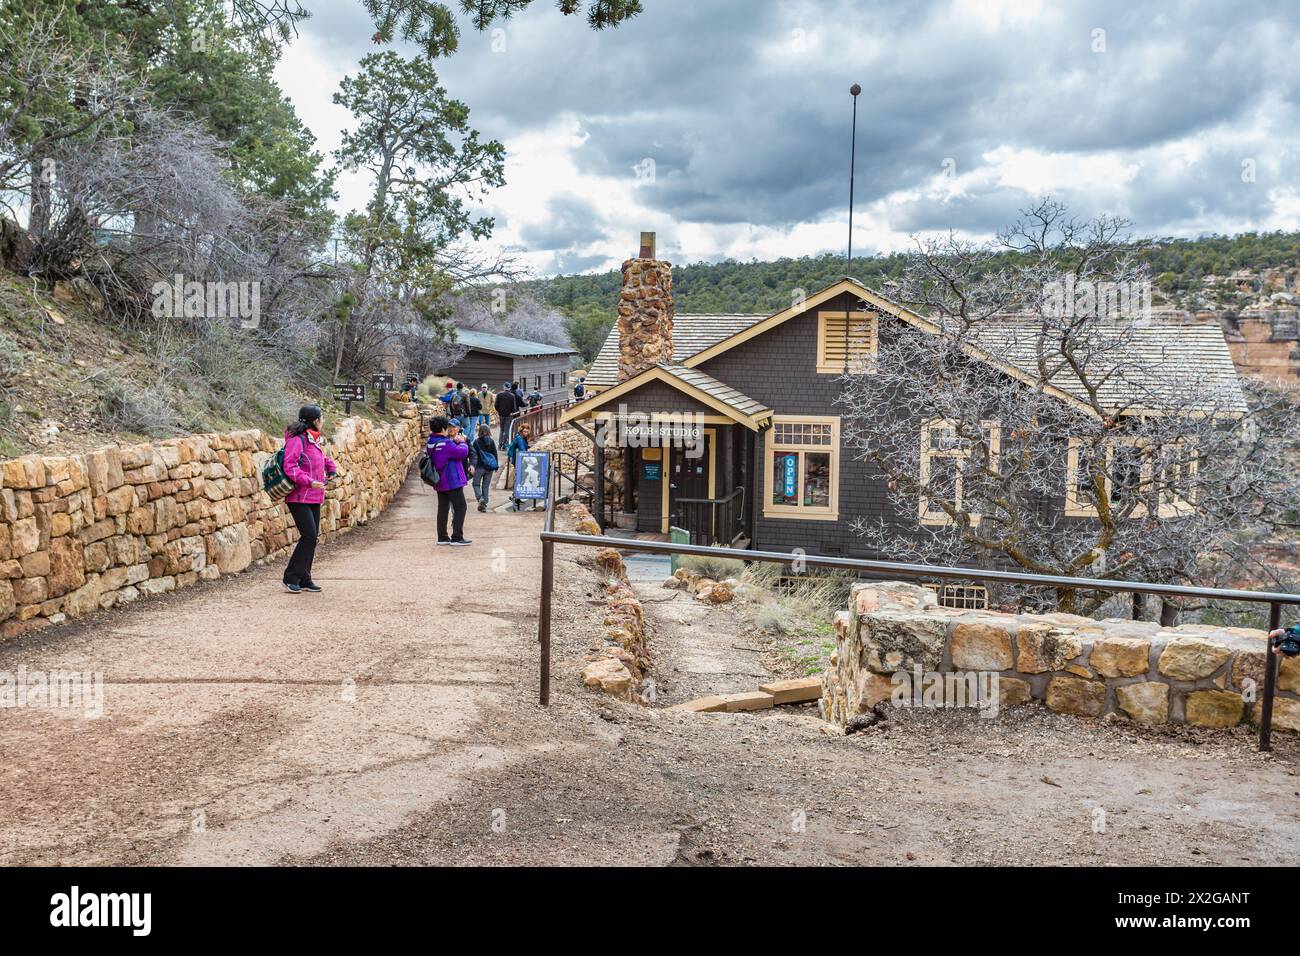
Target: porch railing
{"points": [[711, 520], [898, 570], [542, 418]]}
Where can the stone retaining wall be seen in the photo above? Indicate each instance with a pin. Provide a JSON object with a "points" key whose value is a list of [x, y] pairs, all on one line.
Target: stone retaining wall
{"points": [[1195, 674], [622, 661], [88, 532]]}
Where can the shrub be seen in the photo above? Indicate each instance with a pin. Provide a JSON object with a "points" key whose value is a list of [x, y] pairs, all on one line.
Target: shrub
{"points": [[716, 568], [148, 411], [771, 618]]}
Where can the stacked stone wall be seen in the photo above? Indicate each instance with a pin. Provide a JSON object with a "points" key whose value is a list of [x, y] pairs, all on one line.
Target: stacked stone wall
{"points": [[1195, 674], [84, 533]]}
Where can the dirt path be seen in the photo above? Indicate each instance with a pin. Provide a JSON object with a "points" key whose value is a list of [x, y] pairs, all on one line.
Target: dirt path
{"points": [[242, 724], [704, 650], [392, 719]]}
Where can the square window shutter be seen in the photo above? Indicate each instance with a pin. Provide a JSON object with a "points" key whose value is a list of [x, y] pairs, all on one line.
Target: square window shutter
{"points": [[859, 341]]}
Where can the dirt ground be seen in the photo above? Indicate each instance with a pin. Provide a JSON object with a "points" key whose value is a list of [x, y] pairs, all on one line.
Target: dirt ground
{"points": [[395, 722]]}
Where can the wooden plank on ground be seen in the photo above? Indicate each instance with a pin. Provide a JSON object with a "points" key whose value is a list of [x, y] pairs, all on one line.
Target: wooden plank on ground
{"points": [[749, 700], [702, 705], [800, 690]]}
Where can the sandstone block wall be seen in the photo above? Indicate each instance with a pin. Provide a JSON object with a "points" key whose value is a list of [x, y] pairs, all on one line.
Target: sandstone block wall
{"points": [[88, 532], [1195, 674]]}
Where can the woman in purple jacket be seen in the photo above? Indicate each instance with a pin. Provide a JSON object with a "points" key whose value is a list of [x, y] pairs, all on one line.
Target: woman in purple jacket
{"points": [[308, 467], [448, 449]]}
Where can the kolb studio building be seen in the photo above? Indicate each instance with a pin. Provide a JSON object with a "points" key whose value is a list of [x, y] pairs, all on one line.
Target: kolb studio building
{"points": [[743, 407]]}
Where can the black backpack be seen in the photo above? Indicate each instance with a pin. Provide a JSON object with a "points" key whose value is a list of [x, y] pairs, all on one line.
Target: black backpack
{"points": [[428, 472]]}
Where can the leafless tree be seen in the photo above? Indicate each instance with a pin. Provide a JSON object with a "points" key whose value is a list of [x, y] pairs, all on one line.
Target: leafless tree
{"points": [[495, 310], [1020, 423]]}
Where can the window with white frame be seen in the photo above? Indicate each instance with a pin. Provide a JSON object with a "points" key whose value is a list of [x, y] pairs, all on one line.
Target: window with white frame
{"points": [[1132, 474], [802, 473], [946, 451]]}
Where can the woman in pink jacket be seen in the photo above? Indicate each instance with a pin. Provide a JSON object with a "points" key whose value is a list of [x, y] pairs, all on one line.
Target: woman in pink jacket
{"points": [[308, 467]]}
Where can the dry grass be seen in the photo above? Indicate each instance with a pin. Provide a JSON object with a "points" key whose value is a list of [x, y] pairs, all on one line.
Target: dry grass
{"points": [[798, 613], [62, 366]]}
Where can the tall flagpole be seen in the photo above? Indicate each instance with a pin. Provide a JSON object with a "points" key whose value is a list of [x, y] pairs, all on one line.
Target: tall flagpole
{"points": [[854, 90]]}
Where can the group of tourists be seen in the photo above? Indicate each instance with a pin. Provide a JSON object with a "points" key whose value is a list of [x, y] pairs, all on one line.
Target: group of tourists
{"points": [[460, 447], [460, 459]]}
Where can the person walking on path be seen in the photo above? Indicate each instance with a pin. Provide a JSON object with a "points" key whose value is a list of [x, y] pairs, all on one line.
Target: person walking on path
{"points": [[309, 468], [474, 415], [449, 451], [506, 405], [485, 461], [487, 398], [518, 444], [447, 398]]}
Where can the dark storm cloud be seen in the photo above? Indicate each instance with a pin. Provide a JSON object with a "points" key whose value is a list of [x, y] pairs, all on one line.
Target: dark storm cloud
{"points": [[742, 128], [570, 220], [570, 263], [1212, 189], [968, 213]]}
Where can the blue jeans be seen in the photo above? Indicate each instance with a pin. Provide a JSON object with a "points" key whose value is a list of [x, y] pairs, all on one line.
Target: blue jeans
{"points": [[482, 483]]}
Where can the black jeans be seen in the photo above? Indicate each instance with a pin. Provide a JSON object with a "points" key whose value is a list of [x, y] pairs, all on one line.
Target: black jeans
{"points": [[453, 501], [307, 518]]}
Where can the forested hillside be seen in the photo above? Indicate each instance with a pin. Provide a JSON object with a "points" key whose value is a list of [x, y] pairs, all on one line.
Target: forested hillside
{"points": [[170, 255], [731, 286]]}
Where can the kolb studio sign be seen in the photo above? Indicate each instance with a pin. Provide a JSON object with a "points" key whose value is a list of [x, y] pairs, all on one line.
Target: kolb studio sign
{"points": [[531, 473], [683, 430], [657, 433]]}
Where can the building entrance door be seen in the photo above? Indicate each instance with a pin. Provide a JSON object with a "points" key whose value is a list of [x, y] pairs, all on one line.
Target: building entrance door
{"points": [[689, 507]]}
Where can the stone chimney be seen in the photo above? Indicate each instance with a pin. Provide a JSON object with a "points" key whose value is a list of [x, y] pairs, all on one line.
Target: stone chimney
{"points": [[645, 312]]}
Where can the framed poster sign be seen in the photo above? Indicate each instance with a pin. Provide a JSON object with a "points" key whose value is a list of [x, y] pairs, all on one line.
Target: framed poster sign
{"points": [[531, 474]]}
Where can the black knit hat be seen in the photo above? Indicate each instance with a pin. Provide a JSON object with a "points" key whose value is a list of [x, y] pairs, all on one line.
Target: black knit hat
{"points": [[309, 413]]}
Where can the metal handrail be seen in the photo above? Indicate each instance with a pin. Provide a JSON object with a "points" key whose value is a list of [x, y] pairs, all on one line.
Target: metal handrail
{"points": [[714, 503], [550, 537]]}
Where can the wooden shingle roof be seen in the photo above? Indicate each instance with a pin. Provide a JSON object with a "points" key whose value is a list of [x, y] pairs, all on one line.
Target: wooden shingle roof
{"points": [[691, 334], [1164, 367], [718, 390], [689, 381]]}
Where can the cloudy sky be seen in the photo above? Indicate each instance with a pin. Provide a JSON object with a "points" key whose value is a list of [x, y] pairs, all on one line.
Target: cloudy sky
{"points": [[723, 125]]}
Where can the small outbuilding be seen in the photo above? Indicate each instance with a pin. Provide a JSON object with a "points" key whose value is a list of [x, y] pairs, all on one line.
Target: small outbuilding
{"points": [[495, 359]]}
